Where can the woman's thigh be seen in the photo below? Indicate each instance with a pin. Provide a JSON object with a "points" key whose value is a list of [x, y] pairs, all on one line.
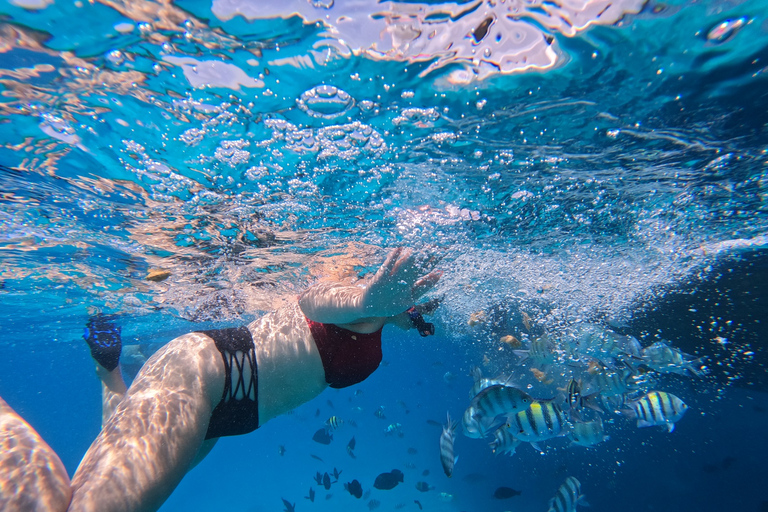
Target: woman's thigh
{"points": [[151, 440]]}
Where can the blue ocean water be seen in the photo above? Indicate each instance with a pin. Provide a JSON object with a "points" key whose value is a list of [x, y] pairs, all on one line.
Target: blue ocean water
{"points": [[574, 163]]}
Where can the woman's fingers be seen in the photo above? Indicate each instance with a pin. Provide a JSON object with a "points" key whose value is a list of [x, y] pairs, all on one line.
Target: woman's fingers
{"points": [[425, 284]]}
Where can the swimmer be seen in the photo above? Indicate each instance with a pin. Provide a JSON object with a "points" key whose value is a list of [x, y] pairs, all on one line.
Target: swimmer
{"points": [[208, 384]]}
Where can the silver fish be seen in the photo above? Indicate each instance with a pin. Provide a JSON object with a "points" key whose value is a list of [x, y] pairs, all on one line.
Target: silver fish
{"points": [[481, 382], [568, 497], [666, 359], [539, 354], [588, 433], [447, 458], [657, 408]]}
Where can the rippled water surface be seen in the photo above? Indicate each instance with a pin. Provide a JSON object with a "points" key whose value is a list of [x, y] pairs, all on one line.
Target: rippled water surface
{"points": [[194, 162]]}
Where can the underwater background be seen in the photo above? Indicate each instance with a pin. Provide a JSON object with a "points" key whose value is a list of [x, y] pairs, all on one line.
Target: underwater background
{"points": [[581, 166]]}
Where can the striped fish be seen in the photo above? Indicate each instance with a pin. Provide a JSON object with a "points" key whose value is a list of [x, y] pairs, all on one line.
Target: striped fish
{"points": [[542, 420], [504, 442], [500, 400], [657, 408], [333, 423], [447, 458], [568, 497]]}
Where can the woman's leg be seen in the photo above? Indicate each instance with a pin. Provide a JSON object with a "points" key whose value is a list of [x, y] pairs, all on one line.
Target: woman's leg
{"points": [[154, 434], [32, 477]]}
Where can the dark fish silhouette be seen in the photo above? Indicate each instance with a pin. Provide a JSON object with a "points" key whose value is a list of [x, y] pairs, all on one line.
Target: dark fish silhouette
{"points": [[373, 504], [503, 493], [425, 472], [336, 474], [288, 506], [354, 488], [281, 450], [351, 447], [322, 436], [327, 481], [419, 504], [316, 457], [311, 496], [387, 481], [423, 486]]}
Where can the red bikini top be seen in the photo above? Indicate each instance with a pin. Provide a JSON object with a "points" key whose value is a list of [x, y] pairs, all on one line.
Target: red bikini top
{"points": [[348, 357]]}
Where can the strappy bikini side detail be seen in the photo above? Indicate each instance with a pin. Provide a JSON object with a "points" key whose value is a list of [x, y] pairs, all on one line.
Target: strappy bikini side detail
{"points": [[238, 411]]}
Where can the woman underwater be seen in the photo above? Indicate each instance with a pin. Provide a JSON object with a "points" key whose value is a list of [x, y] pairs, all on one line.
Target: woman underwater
{"points": [[208, 384]]}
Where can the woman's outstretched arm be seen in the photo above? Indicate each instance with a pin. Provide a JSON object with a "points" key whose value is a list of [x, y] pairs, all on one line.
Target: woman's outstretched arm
{"points": [[393, 289]]}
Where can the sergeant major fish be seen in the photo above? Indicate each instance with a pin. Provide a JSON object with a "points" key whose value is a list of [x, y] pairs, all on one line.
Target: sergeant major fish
{"points": [[542, 420], [490, 404], [568, 497], [539, 354], [481, 382], [447, 458], [657, 408], [504, 442]]}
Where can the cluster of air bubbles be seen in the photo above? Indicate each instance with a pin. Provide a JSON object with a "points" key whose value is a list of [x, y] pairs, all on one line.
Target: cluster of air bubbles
{"points": [[325, 102], [346, 141], [417, 117], [232, 152], [725, 30]]}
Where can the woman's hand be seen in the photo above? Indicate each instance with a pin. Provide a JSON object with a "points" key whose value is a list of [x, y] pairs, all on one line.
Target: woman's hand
{"points": [[397, 285]]}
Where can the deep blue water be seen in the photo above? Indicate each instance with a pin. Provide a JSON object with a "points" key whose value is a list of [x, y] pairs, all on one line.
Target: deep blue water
{"points": [[591, 162]]}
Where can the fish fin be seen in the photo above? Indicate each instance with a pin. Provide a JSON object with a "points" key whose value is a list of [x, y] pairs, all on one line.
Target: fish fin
{"points": [[582, 501], [643, 424], [670, 427], [522, 354], [536, 447]]}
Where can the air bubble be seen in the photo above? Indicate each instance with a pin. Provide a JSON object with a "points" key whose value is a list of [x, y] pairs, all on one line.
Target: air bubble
{"points": [[325, 101], [725, 30], [321, 4]]}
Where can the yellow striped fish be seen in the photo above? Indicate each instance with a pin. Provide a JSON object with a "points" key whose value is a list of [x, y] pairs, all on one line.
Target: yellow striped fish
{"points": [[657, 408], [333, 423], [542, 420]]}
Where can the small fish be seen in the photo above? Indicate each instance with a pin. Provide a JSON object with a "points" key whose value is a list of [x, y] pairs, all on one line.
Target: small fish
{"points": [[477, 318], [423, 487], [322, 436], [504, 442], [544, 419], [425, 472], [445, 497], [503, 493], [351, 447], [588, 433], [394, 428], [326, 481], [329, 403], [319, 478], [336, 474], [666, 359], [539, 354], [568, 497], [354, 488], [379, 413], [288, 506], [311, 496], [447, 458], [541, 376], [316, 457], [418, 504], [328, 496], [412, 451], [615, 382], [352, 423], [511, 341], [387, 481], [333, 423], [657, 408], [281, 450], [448, 377], [373, 504], [527, 322]]}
